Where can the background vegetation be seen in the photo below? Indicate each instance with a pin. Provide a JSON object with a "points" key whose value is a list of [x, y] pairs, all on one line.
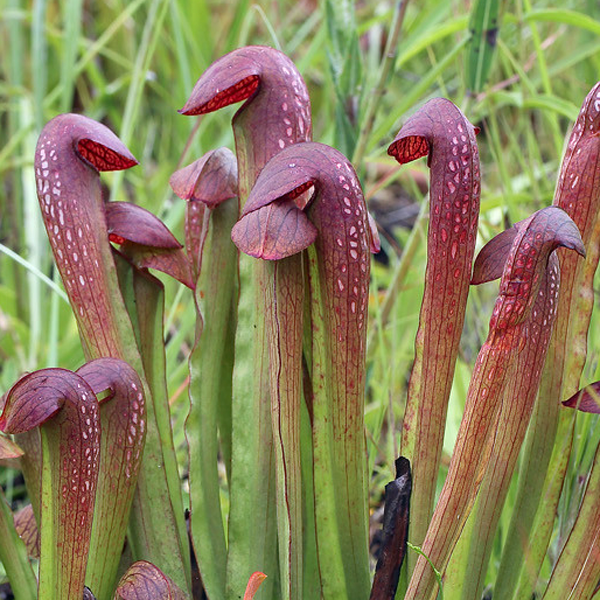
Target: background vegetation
{"points": [[132, 64]]}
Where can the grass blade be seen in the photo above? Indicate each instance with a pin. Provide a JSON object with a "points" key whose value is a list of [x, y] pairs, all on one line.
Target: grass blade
{"points": [[484, 27]]}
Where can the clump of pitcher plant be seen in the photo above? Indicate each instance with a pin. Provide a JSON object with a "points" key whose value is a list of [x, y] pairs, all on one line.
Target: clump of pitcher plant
{"points": [[74, 488], [277, 262], [70, 152], [276, 113]]}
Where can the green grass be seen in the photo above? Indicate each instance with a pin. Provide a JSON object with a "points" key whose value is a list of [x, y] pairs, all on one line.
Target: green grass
{"points": [[132, 65]]}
